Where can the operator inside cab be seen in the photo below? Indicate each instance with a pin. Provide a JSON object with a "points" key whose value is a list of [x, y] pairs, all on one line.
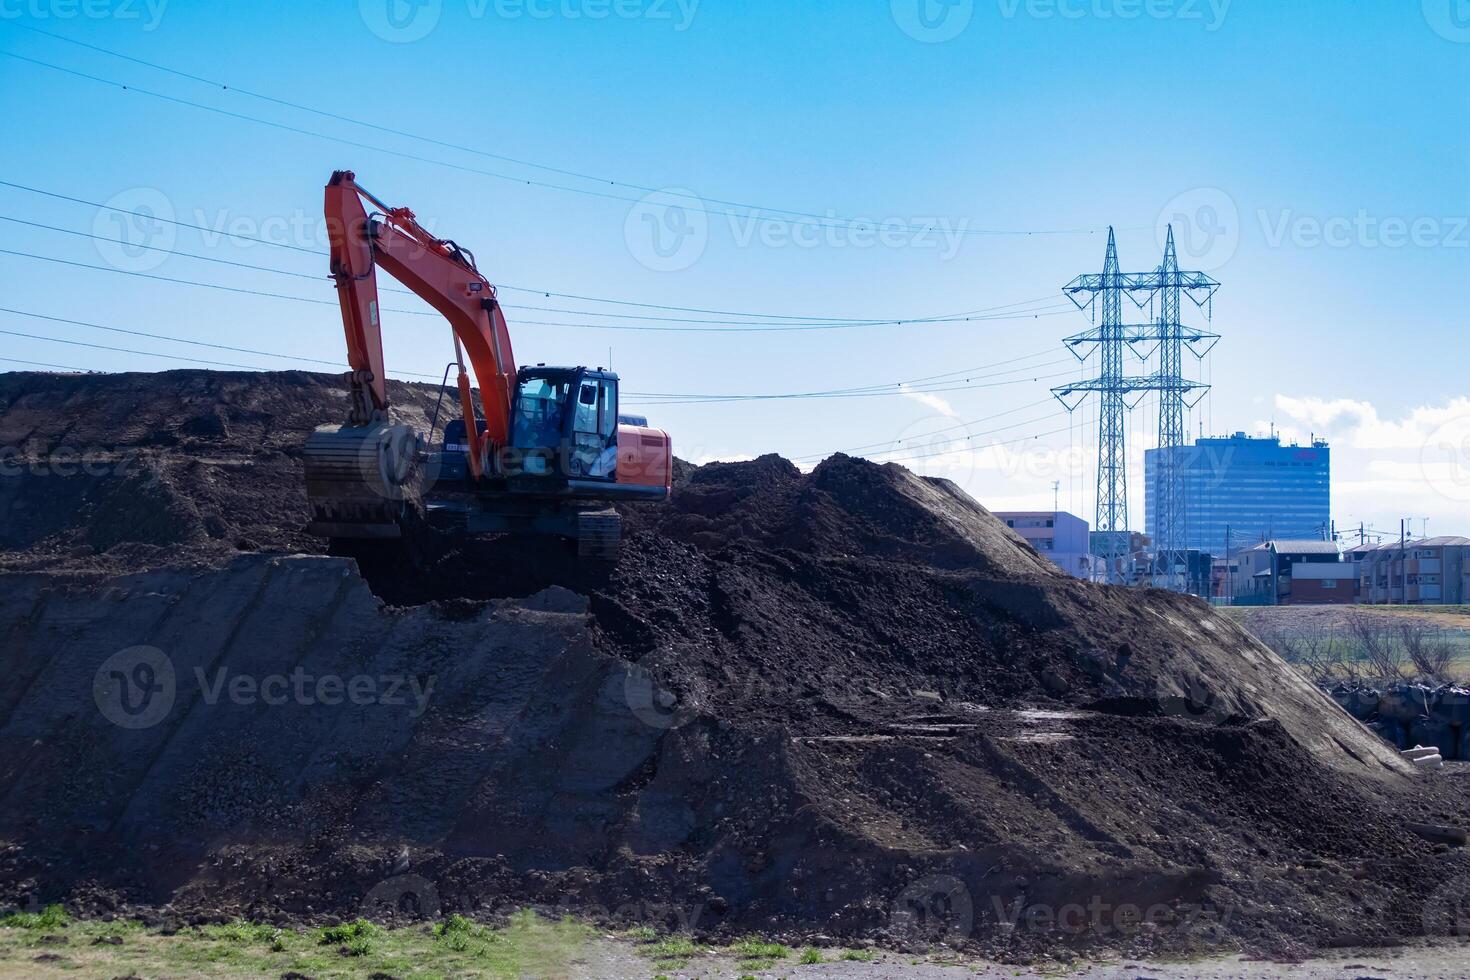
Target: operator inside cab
{"points": [[538, 418]]}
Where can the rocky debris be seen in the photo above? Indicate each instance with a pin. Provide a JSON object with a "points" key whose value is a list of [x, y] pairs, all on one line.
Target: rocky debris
{"points": [[1440, 835], [1407, 713], [846, 703]]}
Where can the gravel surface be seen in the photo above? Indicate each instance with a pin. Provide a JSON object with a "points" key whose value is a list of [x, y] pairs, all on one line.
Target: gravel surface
{"points": [[607, 960]]}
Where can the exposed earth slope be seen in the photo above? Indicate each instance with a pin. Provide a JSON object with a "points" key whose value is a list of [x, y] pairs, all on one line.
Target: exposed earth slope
{"points": [[846, 702]]}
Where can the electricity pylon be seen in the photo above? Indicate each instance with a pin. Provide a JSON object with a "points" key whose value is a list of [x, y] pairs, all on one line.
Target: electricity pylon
{"points": [[1105, 292], [1163, 288]]}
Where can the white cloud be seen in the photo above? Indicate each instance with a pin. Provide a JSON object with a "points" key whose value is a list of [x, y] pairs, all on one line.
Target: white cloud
{"points": [[932, 401], [1414, 466], [1358, 424]]}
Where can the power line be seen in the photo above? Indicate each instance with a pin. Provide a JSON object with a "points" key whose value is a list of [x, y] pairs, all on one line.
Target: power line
{"points": [[193, 282], [828, 325], [840, 220], [168, 251], [257, 367], [986, 432], [894, 384], [153, 217], [894, 459], [194, 343], [857, 394], [892, 388], [851, 393], [935, 432], [946, 452], [64, 367], [306, 132], [546, 309], [772, 316], [249, 239], [777, 328], [783, 328], [126, 350]]}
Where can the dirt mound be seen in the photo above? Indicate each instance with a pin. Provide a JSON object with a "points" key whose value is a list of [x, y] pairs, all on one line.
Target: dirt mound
{"points": [[113, 471], [846, 702]]}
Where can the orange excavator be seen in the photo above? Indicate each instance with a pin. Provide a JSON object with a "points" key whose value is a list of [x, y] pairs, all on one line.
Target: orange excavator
{"points": [[547, 451]]}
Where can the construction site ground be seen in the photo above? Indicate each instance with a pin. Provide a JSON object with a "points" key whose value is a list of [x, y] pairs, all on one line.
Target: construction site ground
{"points": [[844, 708], [528, 946]]}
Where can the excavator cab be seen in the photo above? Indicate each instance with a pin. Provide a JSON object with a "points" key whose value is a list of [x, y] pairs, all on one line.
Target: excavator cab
{"points": [[564, 425], [569, 454]]}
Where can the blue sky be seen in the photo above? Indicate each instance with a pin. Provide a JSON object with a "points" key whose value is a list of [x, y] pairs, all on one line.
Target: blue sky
{"points": [[1313, 154]]}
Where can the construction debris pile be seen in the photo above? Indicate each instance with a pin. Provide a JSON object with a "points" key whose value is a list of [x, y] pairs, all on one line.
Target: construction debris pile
{"points": [[846, 703]]}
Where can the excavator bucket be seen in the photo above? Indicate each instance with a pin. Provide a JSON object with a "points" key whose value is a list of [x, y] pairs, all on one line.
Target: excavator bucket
{"points": [[363, 481]]}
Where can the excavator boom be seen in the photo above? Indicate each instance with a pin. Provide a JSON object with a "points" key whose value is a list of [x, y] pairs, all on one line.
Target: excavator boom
{"points": [[440, 273]]}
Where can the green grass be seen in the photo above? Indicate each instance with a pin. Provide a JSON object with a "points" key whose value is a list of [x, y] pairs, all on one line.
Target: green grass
{"points": [[752, 952], [527, 945], [859, 955], [51, 917], [357, 930], [672, 951], [755, 953], [240, 931], [465, 936]]}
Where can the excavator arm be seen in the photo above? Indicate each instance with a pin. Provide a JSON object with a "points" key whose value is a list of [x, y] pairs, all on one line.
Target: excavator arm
{"points": [[440, 273]]}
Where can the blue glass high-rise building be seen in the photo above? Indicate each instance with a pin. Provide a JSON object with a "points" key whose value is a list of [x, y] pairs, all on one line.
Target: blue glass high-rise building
{"points": [[1257, 488]]}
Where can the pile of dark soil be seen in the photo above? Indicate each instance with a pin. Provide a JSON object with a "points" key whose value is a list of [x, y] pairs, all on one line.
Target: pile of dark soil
{"points": [[843, 703], [120, 471]]}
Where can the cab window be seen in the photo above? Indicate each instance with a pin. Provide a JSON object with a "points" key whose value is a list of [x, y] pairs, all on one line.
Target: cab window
{"points": [[587, 399], [538, 415], [608, 409]]}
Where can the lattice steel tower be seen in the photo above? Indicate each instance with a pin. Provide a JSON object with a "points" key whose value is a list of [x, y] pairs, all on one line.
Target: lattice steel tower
{"points": [[1162, 288], [1165, 289], [1105, 291]]}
